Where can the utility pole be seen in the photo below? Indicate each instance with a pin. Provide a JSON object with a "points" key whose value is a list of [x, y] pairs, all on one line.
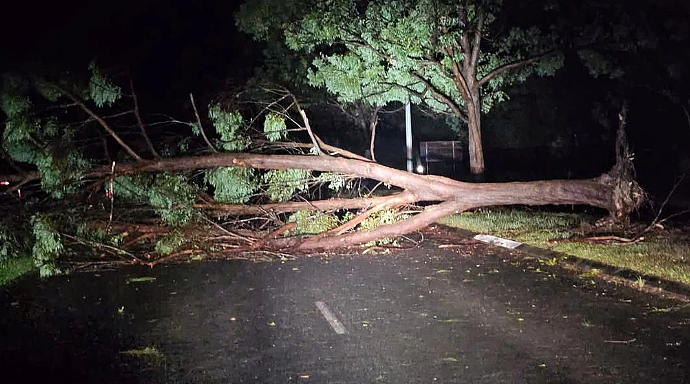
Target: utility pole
{"points": [[408, 136]]}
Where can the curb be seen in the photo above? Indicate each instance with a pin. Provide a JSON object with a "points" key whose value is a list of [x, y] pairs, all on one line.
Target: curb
{"points": [[654, 283]]}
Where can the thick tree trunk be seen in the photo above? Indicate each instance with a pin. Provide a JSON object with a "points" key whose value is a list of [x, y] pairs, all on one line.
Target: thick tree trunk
{"points": [[596, 192], [476, 153], [425, 188]]}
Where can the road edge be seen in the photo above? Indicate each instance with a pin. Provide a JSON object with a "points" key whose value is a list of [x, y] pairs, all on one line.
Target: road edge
{"points": [[653, 284]]}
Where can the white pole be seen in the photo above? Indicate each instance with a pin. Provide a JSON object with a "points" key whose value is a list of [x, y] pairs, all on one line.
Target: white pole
{"points": [[408, 136]]}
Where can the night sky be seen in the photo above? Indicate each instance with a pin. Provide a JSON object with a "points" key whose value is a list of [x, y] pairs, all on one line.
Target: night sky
{"points": [[171, 47]]}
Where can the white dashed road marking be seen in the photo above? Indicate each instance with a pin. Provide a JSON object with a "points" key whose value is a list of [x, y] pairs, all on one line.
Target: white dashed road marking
{"points": [[332, 320]]}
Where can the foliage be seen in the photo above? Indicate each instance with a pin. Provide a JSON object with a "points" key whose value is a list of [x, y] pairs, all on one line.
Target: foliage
{"points": [[101, 90], [274, 127], [599, 64], [171, 196], [379, 50], [97, 234], [170, 243], [14, 242], [15, 250], [43, 141], [229, 126], [384, 217], [48, 245], [335, 181], [312, 222], [11, 269], [458, 127], [282, 185], [232, 184]]}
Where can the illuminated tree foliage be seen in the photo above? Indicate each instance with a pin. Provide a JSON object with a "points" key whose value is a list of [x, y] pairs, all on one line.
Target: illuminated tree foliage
{"points": [[456, 57]]}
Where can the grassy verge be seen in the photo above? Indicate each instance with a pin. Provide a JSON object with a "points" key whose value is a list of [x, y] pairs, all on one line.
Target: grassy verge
{"points": [[12, 268], [661, 254]]}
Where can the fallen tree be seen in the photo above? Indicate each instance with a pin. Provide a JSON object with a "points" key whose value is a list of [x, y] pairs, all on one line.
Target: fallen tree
{"points": [[454, 196], [241, 183]]}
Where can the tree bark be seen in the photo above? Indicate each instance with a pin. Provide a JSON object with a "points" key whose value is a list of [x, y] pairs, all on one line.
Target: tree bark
{"points": [[476, 152], [595, 192]]}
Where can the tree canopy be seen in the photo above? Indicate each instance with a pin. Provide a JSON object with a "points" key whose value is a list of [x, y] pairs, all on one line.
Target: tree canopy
{"points": [[457, 58]]}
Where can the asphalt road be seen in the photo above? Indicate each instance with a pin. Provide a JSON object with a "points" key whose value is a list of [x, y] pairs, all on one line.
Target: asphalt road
{"points": [[466, 314]]}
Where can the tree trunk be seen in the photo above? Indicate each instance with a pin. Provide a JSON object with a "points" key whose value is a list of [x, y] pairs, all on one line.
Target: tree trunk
{"points": [[596, 192], [476, 152]]}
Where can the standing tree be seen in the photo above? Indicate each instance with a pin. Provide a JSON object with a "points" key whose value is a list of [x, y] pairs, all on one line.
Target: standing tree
{"points": [[456, 57]]}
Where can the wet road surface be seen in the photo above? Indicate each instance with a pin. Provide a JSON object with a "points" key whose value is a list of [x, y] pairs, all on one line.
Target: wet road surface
{"points": [[468, 314]]}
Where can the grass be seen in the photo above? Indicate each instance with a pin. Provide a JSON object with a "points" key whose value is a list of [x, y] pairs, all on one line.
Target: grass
{"points": [[13, 268], [661, 256]]}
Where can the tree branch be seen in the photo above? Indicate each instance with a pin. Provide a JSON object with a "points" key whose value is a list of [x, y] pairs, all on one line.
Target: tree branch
{"points": [[294, 206], [306, 125], [372, 124], [343, 152], [390, 201], [460, 80], [99, 119], [141, 124], [513, 65], [477, 40], [439, 96], [429, 216], [201, 128], [464, 40], [326, 147]]}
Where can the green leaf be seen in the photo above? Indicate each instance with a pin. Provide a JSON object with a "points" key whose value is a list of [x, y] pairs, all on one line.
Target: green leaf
{"points": [[232, 184], [101, 90], [312, 222], [229, 126], [284, 184], [169, 243], [274, 127], [47, 245]]}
